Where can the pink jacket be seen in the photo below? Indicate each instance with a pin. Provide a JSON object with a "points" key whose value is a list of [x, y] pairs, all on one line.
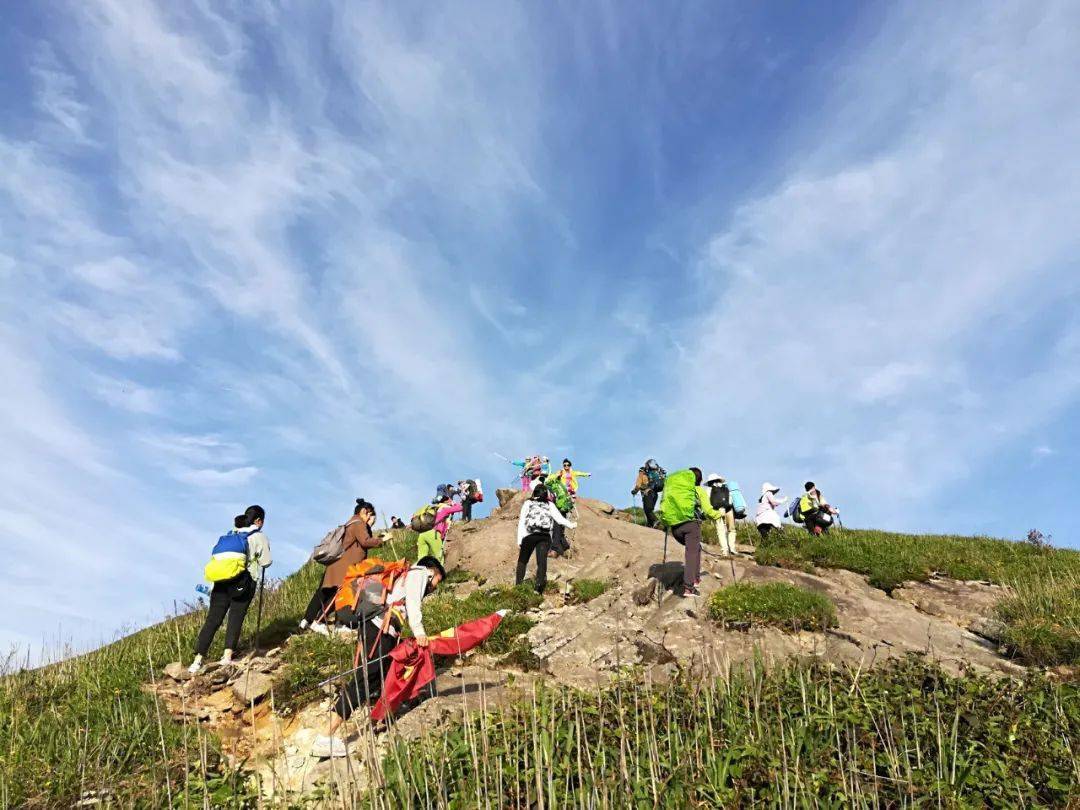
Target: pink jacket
{"points": [[442, 517]]}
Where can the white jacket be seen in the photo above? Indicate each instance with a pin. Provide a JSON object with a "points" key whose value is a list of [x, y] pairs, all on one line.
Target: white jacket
{"points": [[766, 507], [556, 516], [258, 545], [411, 590]]}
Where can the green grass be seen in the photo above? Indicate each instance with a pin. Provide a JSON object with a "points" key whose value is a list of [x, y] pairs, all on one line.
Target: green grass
{"points": [[903, 735], [1042, 620], [890, 559], [775, 603], [86, 724], [309, 659], [585, 590]]}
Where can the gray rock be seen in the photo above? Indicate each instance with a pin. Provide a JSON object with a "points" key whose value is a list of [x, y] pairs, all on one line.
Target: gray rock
{"points": [[990, 629], [253, 686], [178, 672]]}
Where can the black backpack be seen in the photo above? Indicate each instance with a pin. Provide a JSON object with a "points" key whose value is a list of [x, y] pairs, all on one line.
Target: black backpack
{"points": [[720, 498]]}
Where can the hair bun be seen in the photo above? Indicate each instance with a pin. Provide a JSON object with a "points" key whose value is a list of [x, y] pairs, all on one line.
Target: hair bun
{"points": [[359, 501]]}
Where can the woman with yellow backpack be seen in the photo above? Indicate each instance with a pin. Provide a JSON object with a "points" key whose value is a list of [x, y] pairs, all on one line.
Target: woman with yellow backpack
{"points": [[238, 558]]}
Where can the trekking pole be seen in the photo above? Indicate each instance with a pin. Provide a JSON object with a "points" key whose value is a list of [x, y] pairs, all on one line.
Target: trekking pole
{"points": [[665, 544], [258, 614]]}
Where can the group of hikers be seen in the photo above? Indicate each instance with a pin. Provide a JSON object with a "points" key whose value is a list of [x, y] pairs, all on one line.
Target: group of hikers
{"points": [[377, 599], [688, 499]]}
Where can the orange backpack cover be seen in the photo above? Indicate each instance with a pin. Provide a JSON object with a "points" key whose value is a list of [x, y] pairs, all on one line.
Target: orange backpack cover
{"points": [[373, 576]]}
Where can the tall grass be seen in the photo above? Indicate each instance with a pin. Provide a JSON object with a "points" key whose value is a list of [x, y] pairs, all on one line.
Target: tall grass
{"points": [[774, 603], [805, 735], [86, 725], [1042, 619]]}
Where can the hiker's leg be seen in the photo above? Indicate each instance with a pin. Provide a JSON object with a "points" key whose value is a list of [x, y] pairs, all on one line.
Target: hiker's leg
{"points": [[542, 549], [319, 600], [436, 545], [692, 568], [219, 606], [764, 529], [721, 534], [524, 551], [424, 544], [648, 503], [237, 611], [558, 539]]}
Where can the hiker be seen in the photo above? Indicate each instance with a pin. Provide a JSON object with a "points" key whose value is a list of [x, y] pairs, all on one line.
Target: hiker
{"points": [[815, 511], [685, 503], [767, 518], [535, 523], [570, 477], [377, 636], [650, 483], [527, 464], [396, 522], [357, 541], [430, 542], [235, 567], [471, 493], [720, 498], [560, 497]]}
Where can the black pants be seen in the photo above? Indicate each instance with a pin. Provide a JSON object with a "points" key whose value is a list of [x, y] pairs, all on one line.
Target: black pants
{"points": [[648, 503], [764, 529], [689, 535], [466, 510], [367, 682], [232, 597], [558, 539], [320, 600], [817, 518], [540, 544]]}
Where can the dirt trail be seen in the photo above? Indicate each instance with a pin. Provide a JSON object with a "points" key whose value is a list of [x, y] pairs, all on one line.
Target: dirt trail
{"points": [[638, 621]]}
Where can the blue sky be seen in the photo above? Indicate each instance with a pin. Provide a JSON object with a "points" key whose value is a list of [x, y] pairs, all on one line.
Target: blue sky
{"points": [[294, 254]]}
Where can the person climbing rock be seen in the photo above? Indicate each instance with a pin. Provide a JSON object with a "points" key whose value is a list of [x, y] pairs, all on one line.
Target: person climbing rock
{"points": [[377, 636], [685, 503], [720, 498], [650, 483], [471, 493], [235, 568], [396, 522], [816, 512], [570, 477], [560, 497], [536, 520], [358, 540], [430, 543], [767, 518]]}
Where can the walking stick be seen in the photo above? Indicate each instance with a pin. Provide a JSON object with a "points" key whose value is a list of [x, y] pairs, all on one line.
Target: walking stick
{"points": [[665, 544], [258, 615]]}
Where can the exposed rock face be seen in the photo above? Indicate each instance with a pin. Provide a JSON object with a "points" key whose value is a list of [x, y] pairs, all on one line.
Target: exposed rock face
{"points": [[252, 686]]}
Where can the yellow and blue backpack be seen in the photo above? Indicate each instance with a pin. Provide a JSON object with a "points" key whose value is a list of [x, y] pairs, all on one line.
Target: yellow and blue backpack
{"points": [[229, 557]]}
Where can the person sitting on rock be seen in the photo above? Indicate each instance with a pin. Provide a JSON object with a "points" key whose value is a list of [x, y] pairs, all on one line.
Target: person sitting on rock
{"points": [[816, 512], [365, 683], [536, 520]]}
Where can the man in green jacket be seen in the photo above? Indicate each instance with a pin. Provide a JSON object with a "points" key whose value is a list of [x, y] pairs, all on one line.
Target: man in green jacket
{"points": [[685, 503]]}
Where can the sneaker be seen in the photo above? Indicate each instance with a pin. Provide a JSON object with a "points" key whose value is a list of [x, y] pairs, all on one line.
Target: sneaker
{"points": [[226, 661], [320, 628], [691, 590], [196, 665], [303, 625], [328, 747]]}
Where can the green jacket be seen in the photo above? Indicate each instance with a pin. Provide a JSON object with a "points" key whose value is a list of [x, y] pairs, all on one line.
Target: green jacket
{"points": [[559, 493], [684, 501]]}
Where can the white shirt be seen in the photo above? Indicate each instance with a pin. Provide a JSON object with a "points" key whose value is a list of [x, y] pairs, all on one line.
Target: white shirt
{"points": [[556, 516], [411, 590], [258, 556]]}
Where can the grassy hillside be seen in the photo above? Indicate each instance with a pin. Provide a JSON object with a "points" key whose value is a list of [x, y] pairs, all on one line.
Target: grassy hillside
{"points": [[87, 727]]}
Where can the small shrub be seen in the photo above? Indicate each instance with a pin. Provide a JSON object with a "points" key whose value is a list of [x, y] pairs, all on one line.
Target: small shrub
{"points": [[585, 590], [309, 659], [773, 603]]}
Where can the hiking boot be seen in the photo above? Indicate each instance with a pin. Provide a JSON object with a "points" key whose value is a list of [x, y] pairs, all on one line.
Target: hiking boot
{"points": [[328, 747], [691, 590], [320, 628]]}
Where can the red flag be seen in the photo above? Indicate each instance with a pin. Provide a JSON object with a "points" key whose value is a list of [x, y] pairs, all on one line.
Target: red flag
{"points": [[412, 667]]}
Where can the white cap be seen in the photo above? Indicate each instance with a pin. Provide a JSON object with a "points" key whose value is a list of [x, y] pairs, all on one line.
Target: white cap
{"points": [[714, 478]]}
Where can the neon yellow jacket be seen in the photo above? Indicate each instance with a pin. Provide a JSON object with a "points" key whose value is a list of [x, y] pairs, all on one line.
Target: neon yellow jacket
{"points": [[570, 478]]}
